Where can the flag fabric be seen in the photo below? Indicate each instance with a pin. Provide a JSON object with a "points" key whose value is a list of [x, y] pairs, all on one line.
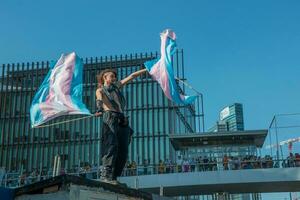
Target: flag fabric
{"points": [[61, 91], [161, 69]]}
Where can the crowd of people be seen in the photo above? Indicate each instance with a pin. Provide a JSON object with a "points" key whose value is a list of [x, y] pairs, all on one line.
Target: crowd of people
{"points": [[211, 164], [14, 178], [293, 160], [181, 165]]}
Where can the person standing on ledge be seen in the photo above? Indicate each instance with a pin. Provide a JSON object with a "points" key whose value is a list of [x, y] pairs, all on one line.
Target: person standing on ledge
{"points": [[116, 133]]}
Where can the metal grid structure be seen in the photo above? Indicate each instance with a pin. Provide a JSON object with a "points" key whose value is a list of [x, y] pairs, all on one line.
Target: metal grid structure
{"points": [[283, 137], [152, 116]]}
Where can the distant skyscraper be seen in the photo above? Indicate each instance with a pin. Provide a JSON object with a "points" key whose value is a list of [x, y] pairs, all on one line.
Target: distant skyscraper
{"points": [[231, 119], [220, 126]]}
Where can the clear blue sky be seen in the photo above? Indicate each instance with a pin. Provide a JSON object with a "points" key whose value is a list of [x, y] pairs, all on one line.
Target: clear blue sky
{"points": [[235, 51]]}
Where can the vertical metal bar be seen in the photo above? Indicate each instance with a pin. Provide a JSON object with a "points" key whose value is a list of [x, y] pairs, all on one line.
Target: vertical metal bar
{"points": [[137, 149], [170, 120], [3, 131], [48, 130], [52, 143], [26, 137], [153, 111], [58, 138], [43, 137], [61, 142], [23, 113], [126, 93], [8, 160], [68, 166], [14, 120], [1, 118], [33, 80], [147, 114], [24, 146], [270, 135], [73, 142], [64, 143], [142, 113], [185, 109], [131, 108], [90, 124], [72, 147], [21, 74], [85, 141], [166, 140], [94, 120], [159, 132], [1, 90], [174, 115], [106, 62], [202, 114], [197, 115], [177, 63], [182, 68], [277, 141], [82, 134], [97, 124], [7, 116], [128, 105], [100, 126], [37, 142], [178, 75]]}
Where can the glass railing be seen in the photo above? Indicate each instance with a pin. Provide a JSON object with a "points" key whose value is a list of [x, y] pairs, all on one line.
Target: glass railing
{"points": [[13, 180], [210, 166]]}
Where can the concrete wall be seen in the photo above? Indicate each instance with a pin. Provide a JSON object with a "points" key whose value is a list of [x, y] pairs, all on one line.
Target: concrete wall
{"points": [[75, 192], [60, 195]]}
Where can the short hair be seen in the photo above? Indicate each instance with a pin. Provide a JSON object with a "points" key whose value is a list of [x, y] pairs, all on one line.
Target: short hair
{"points": [[100, 76]]}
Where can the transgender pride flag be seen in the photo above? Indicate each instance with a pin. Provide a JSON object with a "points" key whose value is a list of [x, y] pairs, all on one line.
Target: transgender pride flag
{"points": [[161, 69], [60, 93]]}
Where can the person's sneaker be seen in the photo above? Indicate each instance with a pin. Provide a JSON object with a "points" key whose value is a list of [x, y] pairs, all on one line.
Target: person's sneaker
{"points": [[106, 175]]}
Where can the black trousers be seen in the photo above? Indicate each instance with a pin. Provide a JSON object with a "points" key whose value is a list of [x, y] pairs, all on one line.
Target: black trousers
{"points": [[114, 145]]}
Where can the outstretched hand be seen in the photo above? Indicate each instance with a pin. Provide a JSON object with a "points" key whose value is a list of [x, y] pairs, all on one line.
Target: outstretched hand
{"points": [[98, 114]]}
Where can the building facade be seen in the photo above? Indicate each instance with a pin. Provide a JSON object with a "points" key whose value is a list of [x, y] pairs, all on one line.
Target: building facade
{"points": [[152, 116]]}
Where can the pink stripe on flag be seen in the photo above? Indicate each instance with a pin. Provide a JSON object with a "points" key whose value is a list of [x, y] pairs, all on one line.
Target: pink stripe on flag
{"points": [[159, 73], [59, 100]]}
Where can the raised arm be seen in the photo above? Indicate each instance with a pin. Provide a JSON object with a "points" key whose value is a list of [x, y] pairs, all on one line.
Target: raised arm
{"points": [[132, 76], [99, 103]]}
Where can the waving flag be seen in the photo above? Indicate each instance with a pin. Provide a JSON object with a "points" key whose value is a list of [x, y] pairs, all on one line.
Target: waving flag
{"points": [[161, 69], [60, 93]]}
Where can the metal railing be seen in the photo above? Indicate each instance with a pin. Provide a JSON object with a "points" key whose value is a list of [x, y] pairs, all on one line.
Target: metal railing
{"points": [[211, 166], [13, 180]]}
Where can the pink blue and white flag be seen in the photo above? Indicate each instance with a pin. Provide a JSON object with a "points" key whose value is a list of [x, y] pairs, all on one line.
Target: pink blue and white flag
{"points": [[161, 69], [61, 91]]}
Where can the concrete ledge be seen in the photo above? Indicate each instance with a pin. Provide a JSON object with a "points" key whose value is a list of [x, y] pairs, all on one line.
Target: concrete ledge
{"points": [[68, 187]]}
